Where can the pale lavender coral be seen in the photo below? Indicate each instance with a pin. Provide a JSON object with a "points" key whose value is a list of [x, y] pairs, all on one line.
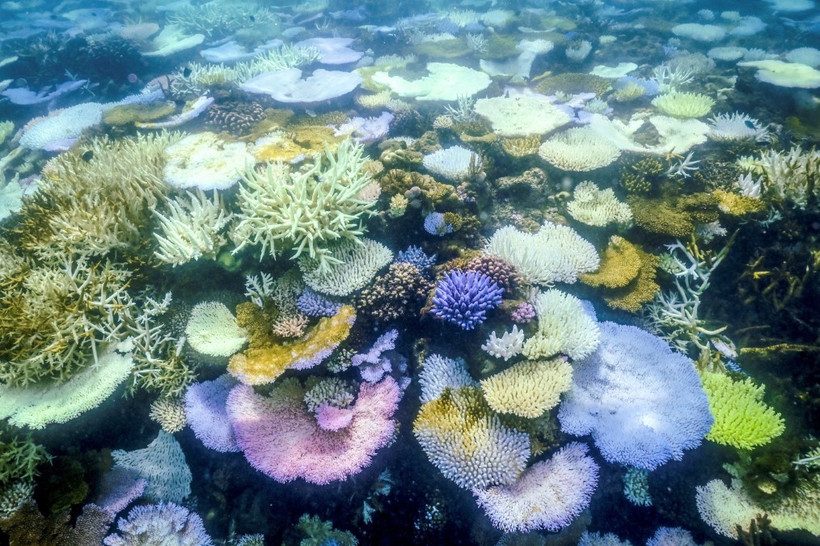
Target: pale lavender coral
{"points": [[642, 403], [160, 524], [119, 488], [434, 224], [548, 495], [205, 411], [374, 363], [315, 305], [281, 439], [524, 313]]}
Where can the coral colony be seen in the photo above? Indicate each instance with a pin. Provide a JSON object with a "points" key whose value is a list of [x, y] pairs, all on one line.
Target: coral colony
{"points": [[437, 272]]}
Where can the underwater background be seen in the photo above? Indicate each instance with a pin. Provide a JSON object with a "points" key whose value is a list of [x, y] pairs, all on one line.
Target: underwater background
{"points": [[478, 272]]}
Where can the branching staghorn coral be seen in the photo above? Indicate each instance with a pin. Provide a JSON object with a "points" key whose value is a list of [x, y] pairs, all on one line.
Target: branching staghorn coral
{"points": [[790, 178], [674, 314], [217, 19], [53, 317], [304, 210], [90, 207], [191, 229]]}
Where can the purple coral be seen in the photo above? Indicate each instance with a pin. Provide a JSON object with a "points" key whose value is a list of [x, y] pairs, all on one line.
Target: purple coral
{"points": [[464, 297], [524, 313]]}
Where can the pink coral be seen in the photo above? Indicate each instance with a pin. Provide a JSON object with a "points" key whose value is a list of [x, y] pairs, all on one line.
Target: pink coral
{"points": [[548, 495], [332, 418], [281, 439]]}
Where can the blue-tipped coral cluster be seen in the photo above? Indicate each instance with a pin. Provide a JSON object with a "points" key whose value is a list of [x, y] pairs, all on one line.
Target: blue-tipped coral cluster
{"points": [[464, 297], [416, 257]]}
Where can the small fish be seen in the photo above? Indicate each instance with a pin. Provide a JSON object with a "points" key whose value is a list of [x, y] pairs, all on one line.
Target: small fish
{"points": [[750, 125], [186, 72], [88, 155], [252, 18]]}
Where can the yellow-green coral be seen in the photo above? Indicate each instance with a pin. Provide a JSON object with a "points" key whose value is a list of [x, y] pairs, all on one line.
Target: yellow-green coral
{"points": [[742, 420], [737, 205], [264, 361]]}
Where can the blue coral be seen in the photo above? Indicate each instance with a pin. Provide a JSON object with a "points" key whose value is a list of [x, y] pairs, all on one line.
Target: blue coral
{"points": [[464, 297], [416, 257]]}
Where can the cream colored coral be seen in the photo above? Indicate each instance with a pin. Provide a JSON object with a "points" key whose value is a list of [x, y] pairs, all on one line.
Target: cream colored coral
{"points": [[528, 388], [555, 254], [579, 150], [191, 229], [169, 413], [563, 327], [212, 330], [597, 207]]}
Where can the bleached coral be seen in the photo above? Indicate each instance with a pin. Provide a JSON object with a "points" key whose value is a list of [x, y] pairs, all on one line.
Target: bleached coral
{"points": [[212, 330], [162, 463], [191, 228], [304, 210], [507, 346], [455, 163], [596, 207], [439, 373], [350, 265], [580, 149], [36, 407], [683, 105], [737, 126], [549, 495], [563, 327], [555, 254]]}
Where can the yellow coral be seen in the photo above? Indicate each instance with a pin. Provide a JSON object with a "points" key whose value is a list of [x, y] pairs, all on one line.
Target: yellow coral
{"points": [[620, 265], [742, 420], [261, 364], [528, 388], [738, 205], [641, 290]]}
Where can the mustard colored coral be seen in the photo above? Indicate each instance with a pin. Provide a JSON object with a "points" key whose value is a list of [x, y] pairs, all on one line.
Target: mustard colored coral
{"points": [[620, 264], [261, 364], [528, 388], [742, 420]]}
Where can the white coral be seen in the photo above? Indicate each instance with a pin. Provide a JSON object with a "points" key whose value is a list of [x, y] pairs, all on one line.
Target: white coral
{"points": [[507, 346]]}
